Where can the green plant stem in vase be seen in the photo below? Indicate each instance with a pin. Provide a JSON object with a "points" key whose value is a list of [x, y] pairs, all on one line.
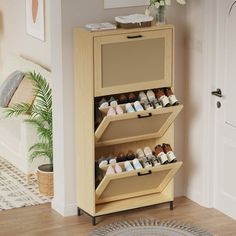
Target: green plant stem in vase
{"points": [[159, 7], [161, 15]]}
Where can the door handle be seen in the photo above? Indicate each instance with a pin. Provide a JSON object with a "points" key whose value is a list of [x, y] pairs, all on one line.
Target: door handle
{"points": [[144, 116], [217, 93], [134, 36], [143, 174]]}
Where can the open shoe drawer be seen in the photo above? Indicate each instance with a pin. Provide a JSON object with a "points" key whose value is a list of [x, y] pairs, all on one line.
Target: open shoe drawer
{"points": [[135, 183], [135, 126]]}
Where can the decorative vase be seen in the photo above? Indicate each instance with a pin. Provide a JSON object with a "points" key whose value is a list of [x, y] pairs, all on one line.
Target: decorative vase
{"points": [[161, 15]]}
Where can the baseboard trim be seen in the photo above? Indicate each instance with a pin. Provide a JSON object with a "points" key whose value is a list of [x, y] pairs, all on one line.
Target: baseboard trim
{"points": [[64, 210]]}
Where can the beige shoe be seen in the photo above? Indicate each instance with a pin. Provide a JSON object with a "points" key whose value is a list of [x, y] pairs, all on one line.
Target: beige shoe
{"points": [[119, 110], [110, 171], [111, 112], [118, 168]]}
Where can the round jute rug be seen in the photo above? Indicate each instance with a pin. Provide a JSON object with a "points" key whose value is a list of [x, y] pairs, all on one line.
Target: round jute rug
{"points": [[146, 227]]}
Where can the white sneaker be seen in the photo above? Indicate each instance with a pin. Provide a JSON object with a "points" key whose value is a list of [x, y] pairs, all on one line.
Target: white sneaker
{"points": [[136, 164], [151, 95], [142, 97], [128, 166], [129, 108], [140, 153], [147, 151], [138, 106], [146, 163]]}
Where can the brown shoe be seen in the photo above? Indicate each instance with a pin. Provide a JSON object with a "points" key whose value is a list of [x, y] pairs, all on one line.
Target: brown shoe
{"points": [[132, 97], [162, 97], [121, 157], [172, 98], [159, 152], [168, 151], [130, 155], [123, 99]]}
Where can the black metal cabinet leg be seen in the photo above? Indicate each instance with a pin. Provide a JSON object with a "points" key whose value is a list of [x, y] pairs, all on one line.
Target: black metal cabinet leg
{"points": [[93, 220], [172, 205], [78, 211]]}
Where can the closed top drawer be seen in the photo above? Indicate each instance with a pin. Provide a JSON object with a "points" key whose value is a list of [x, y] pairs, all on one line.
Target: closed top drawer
{"points": [[133, 61]]}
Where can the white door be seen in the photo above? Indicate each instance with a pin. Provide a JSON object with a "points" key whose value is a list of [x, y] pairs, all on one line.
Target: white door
{"points": [[225, 174]]}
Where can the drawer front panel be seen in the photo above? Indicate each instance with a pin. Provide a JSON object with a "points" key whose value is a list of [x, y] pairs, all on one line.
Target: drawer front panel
{"points": [[135, 183], [135, 126], [133, 62]]}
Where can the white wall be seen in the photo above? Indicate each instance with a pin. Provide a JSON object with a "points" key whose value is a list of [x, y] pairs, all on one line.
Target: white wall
{"points": [[77, 13], [199, 73], [13, 37]]}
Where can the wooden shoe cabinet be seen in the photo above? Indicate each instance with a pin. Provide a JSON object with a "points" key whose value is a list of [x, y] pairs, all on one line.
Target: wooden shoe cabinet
{"points": [[116, 62]]}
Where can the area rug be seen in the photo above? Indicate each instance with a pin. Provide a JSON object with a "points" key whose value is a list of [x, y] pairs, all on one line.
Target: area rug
{"points": [[15, 191], [149, 227]]}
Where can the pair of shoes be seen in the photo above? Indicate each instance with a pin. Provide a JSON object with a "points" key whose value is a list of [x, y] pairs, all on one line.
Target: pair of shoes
{"points": [[169, 153], [115, 111], [121, 157], [150, 96], [136, 165], [149, 100], [161, 154], [146, 162], [148, 158], [137, 107], [154, 160], [172, 98], [103, 161], [147, 151], [112, 170], [162, 98], [105, 104], [131, 97]]}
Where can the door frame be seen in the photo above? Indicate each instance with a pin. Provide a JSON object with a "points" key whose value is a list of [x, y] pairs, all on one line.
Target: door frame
{"points": [[210, 74]]}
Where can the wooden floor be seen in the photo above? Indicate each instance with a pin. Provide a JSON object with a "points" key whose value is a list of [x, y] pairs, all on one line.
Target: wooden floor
{"points": [[42, 220]]}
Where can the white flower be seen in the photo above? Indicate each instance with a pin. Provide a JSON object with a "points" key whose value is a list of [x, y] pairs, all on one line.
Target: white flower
{"points": [[162, 3], [147, 12], [182, 2], [157, 4], [168, 2]]}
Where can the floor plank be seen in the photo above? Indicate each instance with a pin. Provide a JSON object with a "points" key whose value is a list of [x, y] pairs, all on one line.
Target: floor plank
{"points": [[42, 220]]}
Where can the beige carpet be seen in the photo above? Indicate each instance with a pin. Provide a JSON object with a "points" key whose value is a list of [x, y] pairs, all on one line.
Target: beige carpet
{"points": [[15, 191]]}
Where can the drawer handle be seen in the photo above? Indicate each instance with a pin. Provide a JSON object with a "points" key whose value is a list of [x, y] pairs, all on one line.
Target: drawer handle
{"points": [[134, 37], [149, 173], [144, 116]]}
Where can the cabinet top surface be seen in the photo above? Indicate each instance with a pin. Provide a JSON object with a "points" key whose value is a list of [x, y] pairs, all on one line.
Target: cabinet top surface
{"points": [[124, 31]]}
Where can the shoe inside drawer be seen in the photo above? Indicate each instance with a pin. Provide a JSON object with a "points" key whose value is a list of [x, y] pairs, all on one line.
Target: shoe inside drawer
{"points": [[135, 126], [135, 183]]}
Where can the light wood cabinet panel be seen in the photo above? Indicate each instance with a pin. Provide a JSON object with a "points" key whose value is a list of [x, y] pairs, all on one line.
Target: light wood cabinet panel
{"points": [[133, 61], [135, 183], [135, 126]]}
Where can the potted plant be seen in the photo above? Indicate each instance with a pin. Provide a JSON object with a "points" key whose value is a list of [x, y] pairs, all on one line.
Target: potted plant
{"points": [[39, 115]]}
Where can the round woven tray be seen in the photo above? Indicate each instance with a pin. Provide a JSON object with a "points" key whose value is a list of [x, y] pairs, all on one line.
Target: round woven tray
{"points": [[134, 25]]}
